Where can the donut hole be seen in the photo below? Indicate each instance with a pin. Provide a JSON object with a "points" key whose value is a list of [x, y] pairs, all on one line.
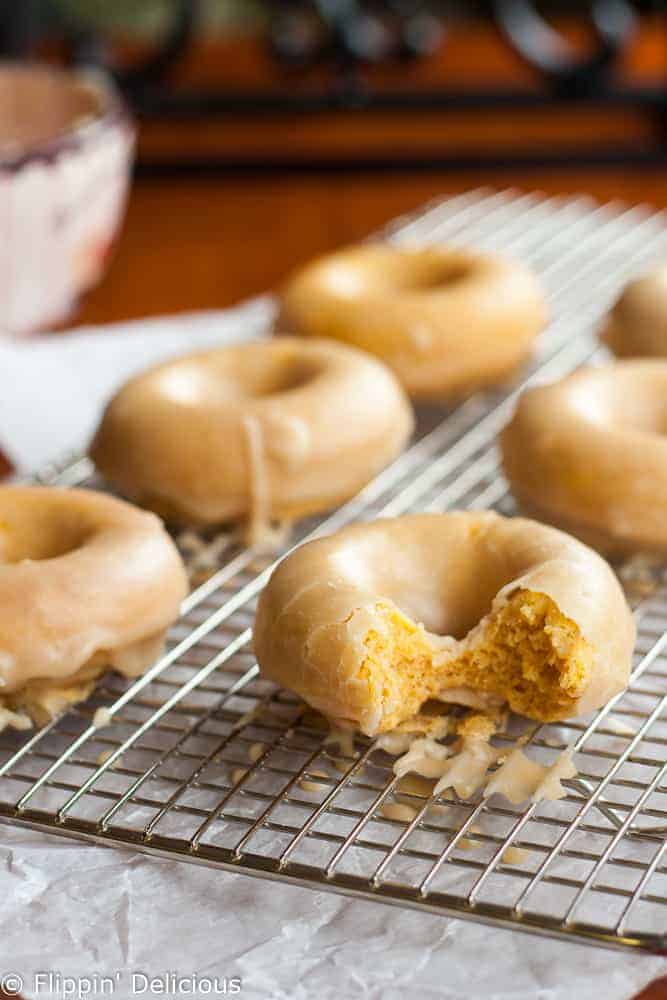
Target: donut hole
{"points": [[287, 375], [642, 297], [436, 275], [230, 378], [385, 271], [40, 537]]}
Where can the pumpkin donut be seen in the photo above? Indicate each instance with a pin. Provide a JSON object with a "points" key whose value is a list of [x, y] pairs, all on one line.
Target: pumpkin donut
{"points": [[87, 582], [447, 321], [369, 623], [589, 453], [271, 429]]}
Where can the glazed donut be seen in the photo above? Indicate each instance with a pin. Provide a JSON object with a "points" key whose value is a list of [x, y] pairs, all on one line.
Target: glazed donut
{"points": [[636, 326], [447, 321], [589, 454], [369, 623], [275, 428], [87, 582]]}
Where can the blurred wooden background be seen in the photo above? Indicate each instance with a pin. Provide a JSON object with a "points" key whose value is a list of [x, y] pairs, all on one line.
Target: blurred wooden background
{"points": [[206, 240]]}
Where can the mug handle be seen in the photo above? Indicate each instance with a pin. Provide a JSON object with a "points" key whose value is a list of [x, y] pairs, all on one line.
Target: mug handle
{"points": [[545, 49]]}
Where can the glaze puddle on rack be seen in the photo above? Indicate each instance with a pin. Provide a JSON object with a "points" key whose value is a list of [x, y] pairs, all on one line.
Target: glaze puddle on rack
{"points": [[206, 762]]}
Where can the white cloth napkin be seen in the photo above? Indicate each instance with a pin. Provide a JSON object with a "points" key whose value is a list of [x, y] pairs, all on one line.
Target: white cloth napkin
{"points": [[52, 388], [77, 910]]}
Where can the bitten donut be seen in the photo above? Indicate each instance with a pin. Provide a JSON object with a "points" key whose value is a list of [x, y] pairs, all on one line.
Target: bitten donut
{"points": [[269, 429], [87, 582], [636, 326], [369, 623], [447, 321], [589, 453]]}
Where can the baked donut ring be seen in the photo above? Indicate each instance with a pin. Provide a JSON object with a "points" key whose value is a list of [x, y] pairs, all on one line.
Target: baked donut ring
{"points": [[446, 320], [369, 623], [636, 326], [87, 582], [589, 453], [269, 429]]}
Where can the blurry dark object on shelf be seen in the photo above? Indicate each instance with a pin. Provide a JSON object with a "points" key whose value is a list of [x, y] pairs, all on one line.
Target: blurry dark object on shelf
{"points": [[25, 25], [613, 24], [303, 32], [386, 59]]}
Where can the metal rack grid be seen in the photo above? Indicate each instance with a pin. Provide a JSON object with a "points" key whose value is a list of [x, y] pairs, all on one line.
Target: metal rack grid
{"points": [[205, 761]]}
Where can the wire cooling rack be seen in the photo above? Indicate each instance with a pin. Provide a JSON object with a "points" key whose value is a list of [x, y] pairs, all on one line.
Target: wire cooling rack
{"points": [[205, 761]]}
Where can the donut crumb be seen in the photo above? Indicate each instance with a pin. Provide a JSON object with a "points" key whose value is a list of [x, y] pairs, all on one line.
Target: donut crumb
{"points": [[14, 720], [102, 718], [307, 785], [398, 811], [515, 855]]}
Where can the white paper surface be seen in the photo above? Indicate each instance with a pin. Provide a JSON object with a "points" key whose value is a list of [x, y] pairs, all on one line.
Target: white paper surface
{"points": [[80, 910], [83, 909]]}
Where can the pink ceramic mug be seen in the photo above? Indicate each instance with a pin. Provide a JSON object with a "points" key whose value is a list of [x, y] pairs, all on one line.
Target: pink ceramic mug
{"points": [[66, 147]]}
